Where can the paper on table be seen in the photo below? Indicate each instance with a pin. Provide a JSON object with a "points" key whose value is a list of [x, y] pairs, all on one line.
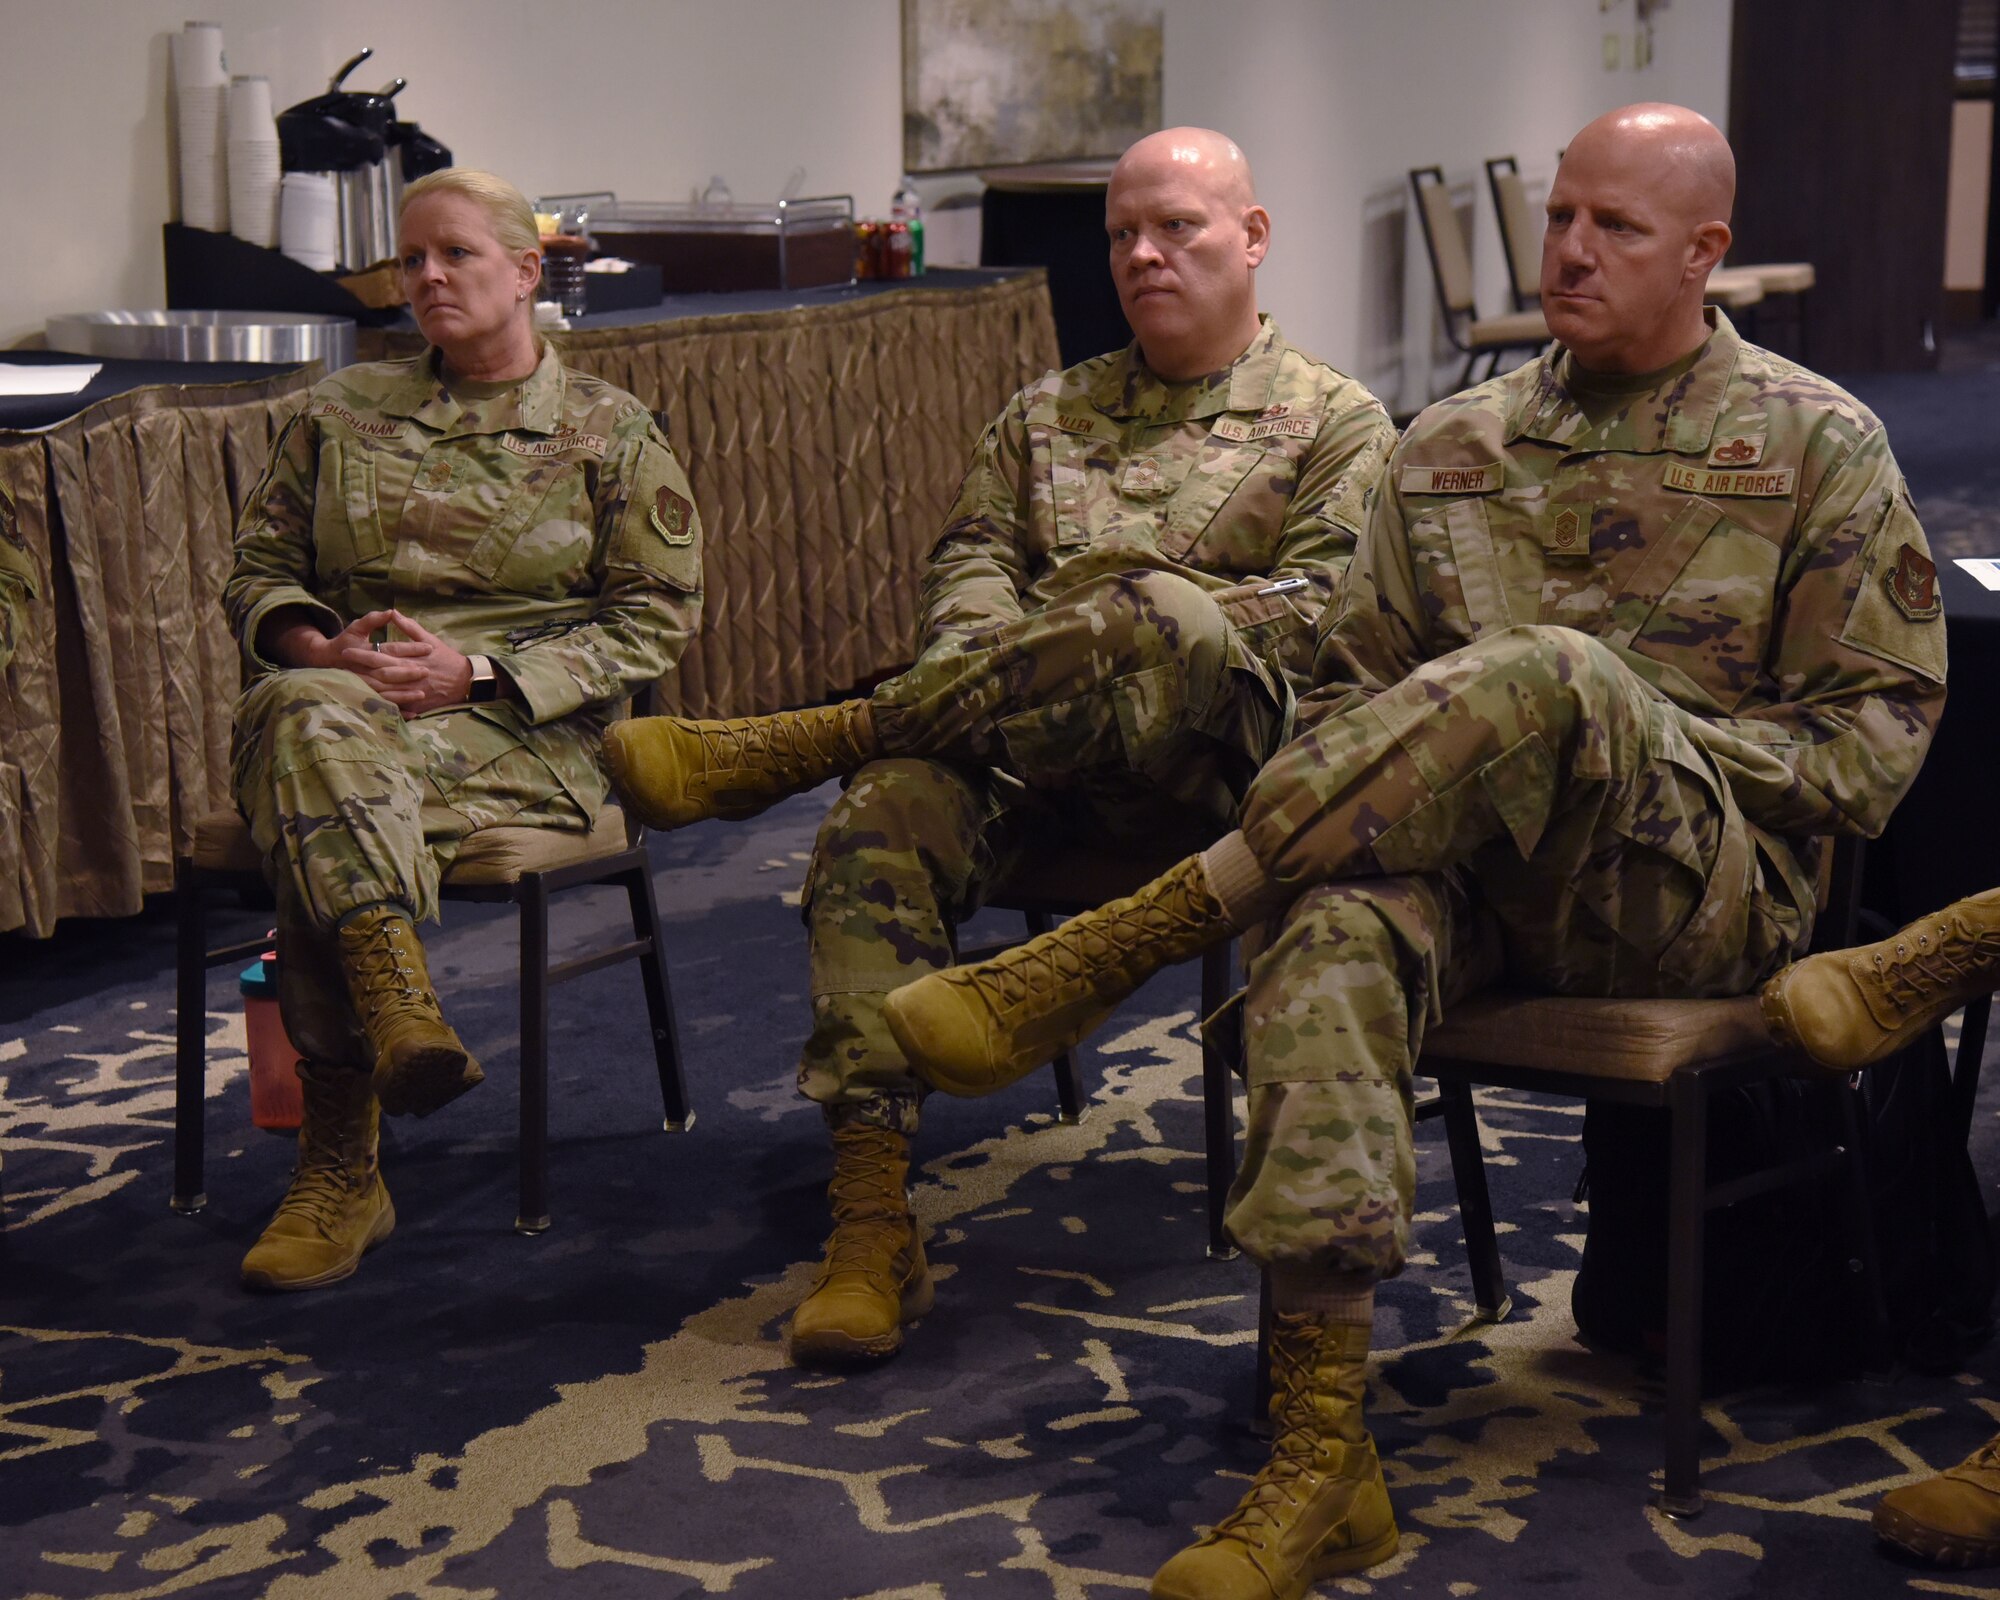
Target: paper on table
{"points": [[66, 378], [1985, 568]]}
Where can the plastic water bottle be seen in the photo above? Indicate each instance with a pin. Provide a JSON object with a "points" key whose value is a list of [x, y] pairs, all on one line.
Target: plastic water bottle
{"points": [[906, 207]]}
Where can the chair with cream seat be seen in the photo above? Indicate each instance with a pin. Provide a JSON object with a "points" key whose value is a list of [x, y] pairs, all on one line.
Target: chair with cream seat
{"points": [[524, 867], [1451, 272]]}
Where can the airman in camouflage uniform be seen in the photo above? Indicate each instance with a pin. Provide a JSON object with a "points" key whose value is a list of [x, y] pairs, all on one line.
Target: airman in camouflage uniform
{"points": [[1117, 620], [17, 580], [543, 524], [1619, 644], [547, 527]]}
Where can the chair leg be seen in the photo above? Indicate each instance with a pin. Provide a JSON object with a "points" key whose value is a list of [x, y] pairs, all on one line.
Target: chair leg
{"points": [[659, 999], [1260, 1393], [190, 1037], [1475, 1203], [1965, 1070], [1861, 1227], [1687, 1226], [1070, 1109], [1218, 1101], [533, 1216]]}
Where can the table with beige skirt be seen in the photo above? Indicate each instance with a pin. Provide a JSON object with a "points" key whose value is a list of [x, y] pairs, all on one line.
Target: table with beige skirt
{"points": [[824, 442]]}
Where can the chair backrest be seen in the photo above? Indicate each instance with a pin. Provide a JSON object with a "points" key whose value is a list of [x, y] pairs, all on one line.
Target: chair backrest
{"points": [[1451, 263], [1520, 239]]}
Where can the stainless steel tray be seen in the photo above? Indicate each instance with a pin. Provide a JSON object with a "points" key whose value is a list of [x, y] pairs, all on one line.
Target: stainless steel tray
{"points": [[278, 337]]}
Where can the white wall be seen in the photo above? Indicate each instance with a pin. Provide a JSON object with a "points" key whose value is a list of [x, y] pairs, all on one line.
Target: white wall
{"points": [[645, 97], [1335, 102]]}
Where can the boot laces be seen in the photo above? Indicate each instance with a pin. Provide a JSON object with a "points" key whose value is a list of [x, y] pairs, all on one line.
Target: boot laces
{"points": [[1295, 1440], [326, 1181], [1926, 966], [871, 1223], [791, 741], [1121, 939], [387, 965]]}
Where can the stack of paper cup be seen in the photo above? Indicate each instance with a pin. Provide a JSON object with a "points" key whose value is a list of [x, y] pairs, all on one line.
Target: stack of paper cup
{"points": [[201, 90], [253, 162], [309, 219]]}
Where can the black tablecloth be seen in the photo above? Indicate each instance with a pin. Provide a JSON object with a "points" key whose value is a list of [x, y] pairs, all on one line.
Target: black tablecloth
{"points": [[1942, 844], [43, 410]]}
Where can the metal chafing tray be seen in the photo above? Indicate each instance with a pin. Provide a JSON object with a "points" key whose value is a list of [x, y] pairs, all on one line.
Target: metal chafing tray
{"points": [[701, 247], [272, 336]]}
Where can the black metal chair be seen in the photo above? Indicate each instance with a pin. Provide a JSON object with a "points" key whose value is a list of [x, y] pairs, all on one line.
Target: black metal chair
{"points": [[1451, 272], [524, 867], [1673, 1054], [1520, 239]]}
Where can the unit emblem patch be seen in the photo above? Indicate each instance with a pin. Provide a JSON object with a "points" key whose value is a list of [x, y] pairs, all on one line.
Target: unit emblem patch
{"points": [[1912, 584], [672, 517]]}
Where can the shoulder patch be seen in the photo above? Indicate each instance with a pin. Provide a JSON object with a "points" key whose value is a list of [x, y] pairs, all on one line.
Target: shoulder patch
{"points": [[672, 517], [1912, 584], [1771, 485], [1453, 480]]}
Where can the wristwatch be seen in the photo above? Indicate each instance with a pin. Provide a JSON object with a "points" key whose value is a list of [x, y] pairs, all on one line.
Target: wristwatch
{"points": [[485, 681]]}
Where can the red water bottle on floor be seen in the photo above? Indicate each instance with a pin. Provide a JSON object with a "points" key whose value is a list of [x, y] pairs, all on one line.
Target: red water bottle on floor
{"points": [[275, 1101]]}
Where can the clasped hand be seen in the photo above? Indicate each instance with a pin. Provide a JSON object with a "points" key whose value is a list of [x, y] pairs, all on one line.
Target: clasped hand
{"points": [[417, 673]]}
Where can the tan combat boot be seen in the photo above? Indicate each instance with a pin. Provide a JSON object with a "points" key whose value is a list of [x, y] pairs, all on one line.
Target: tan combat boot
{"points": [[1952, 1520], [874, 1278], [1319, 1507], [336, 1209], [973, 1029], [1849, 1008], [675, 770], [419, 1062]]}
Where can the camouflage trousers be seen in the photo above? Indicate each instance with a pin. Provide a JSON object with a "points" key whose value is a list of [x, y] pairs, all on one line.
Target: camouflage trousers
{"points": [[351, 805], [1126, 716], [1527, 808]]}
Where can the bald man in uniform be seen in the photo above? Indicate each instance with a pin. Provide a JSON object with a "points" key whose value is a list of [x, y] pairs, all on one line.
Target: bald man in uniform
{"points": [[1630, 630], [1116, 620]]}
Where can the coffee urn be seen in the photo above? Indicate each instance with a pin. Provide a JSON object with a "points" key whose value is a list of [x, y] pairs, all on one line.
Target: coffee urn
{"points": [[354, 140]]}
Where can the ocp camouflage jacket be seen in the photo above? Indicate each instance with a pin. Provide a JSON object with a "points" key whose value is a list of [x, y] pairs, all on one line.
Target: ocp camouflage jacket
{"points": [[544, 523]]}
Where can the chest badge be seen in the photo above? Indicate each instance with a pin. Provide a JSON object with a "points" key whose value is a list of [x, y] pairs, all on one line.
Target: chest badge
{"points": [[1912, 584], [1737, 450], [1143, 479], [438, 474], [1566, 533]]}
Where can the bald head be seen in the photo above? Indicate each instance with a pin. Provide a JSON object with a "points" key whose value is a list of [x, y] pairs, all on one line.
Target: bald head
{"points": [[1638, 218], [1187, 236], [1207, 157], [1689, 159]]}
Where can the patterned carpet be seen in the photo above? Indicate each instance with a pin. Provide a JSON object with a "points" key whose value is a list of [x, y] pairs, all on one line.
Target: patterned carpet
{"points": [[606, 1410]]}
